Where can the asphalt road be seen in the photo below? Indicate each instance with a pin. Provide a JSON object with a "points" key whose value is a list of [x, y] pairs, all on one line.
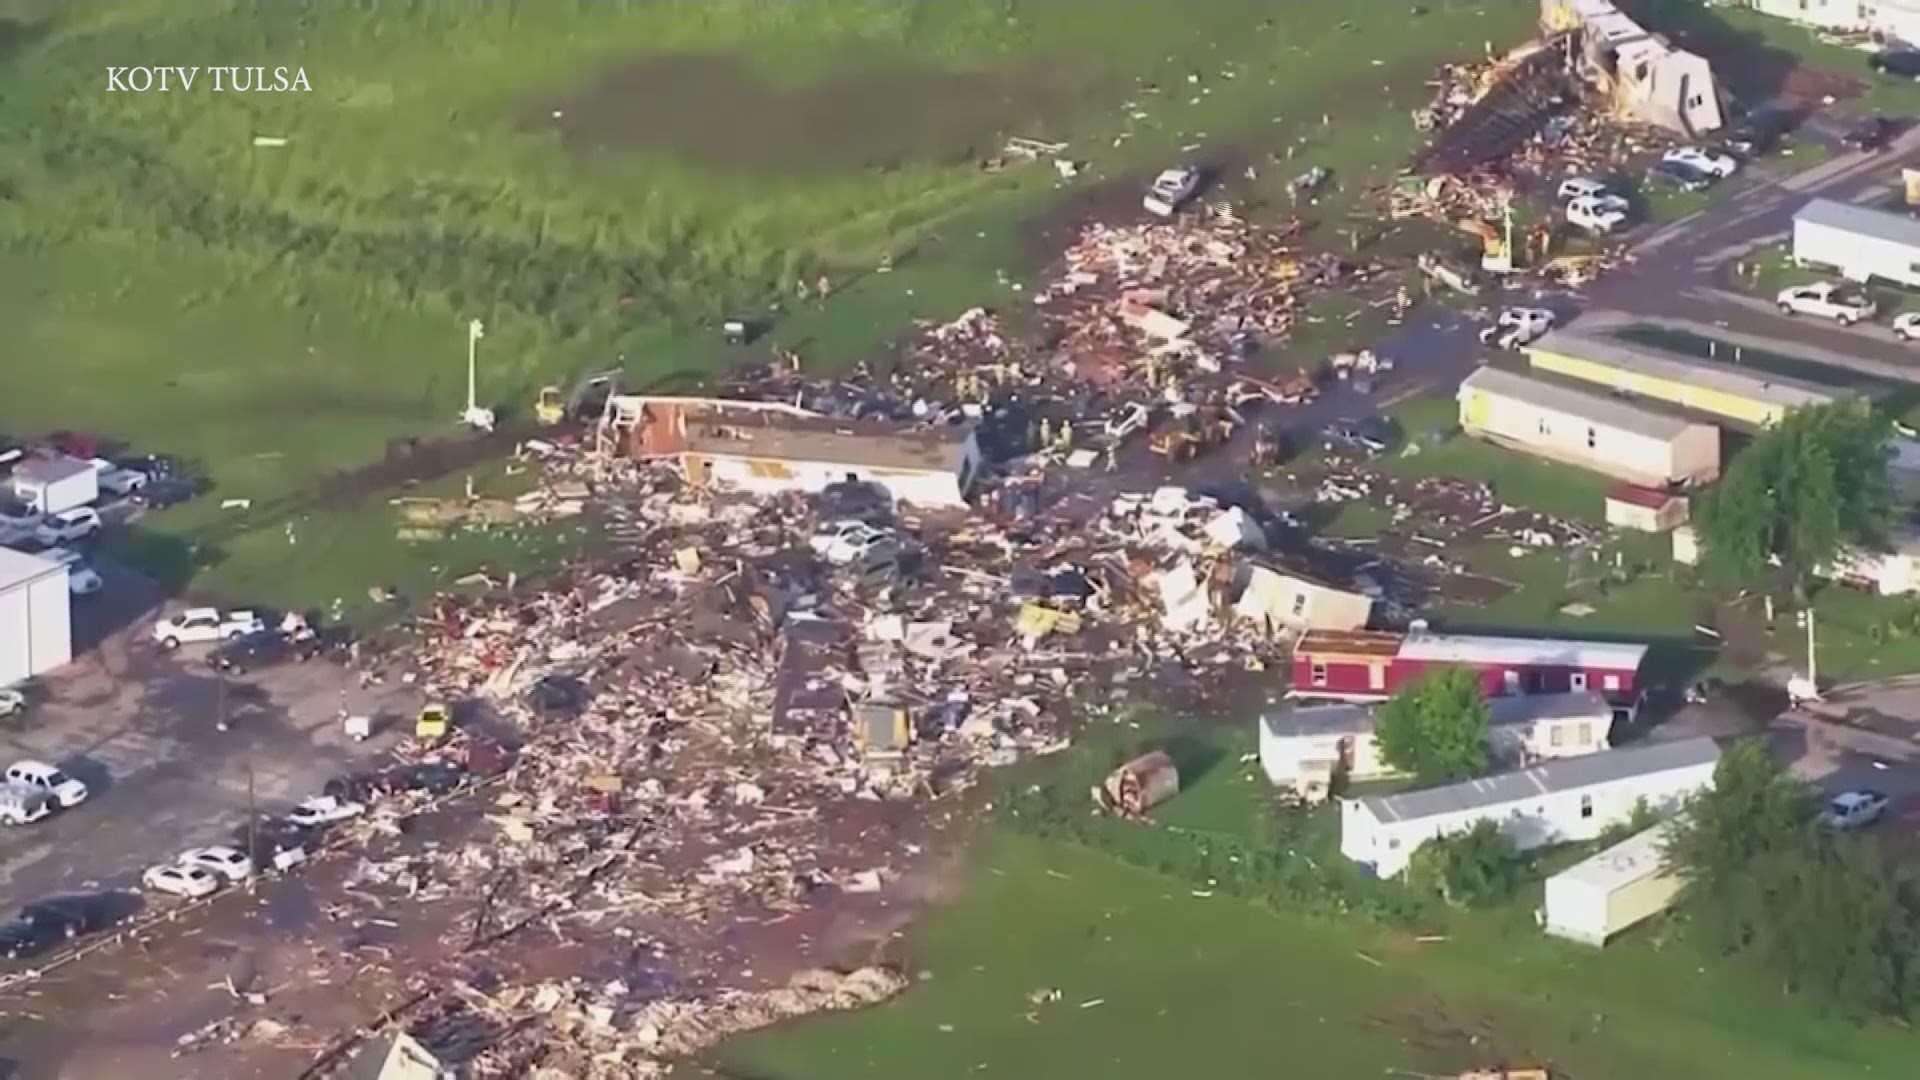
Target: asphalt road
{"points": [[140, 728]]}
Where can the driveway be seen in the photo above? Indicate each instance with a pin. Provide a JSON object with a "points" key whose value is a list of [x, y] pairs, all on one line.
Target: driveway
{"points": [[140, 727]]}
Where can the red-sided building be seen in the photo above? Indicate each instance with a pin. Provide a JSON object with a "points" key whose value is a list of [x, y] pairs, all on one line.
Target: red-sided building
{"points": [[1369, 665]]}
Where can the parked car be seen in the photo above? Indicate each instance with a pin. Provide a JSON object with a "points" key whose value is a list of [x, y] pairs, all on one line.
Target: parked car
{"points": [[1827, 300], [1372, 435], [433, 777], [1515, 327], [1870, 135], [1714, 164], [205, 624], [262, 649], [1854, 809], [323, 810], [63, 790], [78, 914], [1678, 175], [1757, 132], [163, 491], [219, 860], [23, 805], [1581, 187], [1171, 190], [1906, 326], [1902, 63], [18, 522], [118, 479], [82, 579], [1594, 215], [20, 939], [68, 526], [12, 701], [190, 882]]}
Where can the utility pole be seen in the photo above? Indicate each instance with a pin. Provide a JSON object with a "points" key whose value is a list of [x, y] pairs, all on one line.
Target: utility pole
{"points": [[253, 827], [475, 332], [1813, 671]]}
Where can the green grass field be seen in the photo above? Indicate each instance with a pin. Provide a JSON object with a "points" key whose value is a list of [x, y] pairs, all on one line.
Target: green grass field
{"points": [[1156, 980], [601, 182]]}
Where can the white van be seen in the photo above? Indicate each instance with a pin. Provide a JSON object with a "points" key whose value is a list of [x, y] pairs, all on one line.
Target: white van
{"points": [[23, 805]]}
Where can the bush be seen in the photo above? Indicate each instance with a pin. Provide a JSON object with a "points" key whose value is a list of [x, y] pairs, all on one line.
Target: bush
{"points": [[1476, 868]]}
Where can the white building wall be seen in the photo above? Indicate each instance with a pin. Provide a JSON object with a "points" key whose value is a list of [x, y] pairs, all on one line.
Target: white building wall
{"points": [[1892, 19], [1855, 256], [1552, 818], [35, 629]]}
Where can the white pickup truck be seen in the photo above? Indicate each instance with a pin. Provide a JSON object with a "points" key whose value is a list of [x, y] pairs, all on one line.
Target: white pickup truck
{"points": [[205, 624], [1827, 300], [1170, 191]]}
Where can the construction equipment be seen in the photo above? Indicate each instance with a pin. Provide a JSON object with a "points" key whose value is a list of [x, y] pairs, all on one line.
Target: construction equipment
{"points": [[585, 401], [549, 409], [432, 722]]}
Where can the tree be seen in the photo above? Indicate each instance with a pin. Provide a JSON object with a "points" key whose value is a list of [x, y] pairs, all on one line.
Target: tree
{"points": [[1827, 914], [1436, 728], [1802, 492], [1470, 869]]}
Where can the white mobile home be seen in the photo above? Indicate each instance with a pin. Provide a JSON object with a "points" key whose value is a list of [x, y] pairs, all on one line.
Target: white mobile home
{"points": [[1889, 20], [1559, 802], [1593, 431], [1304, 749], [1859, 243], [1598, 897]]}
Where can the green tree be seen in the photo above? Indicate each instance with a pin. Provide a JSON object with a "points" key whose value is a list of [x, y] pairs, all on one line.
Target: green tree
{"points": [[1436, 728], [1802, 492], [1826, 914], [1470, 869]]}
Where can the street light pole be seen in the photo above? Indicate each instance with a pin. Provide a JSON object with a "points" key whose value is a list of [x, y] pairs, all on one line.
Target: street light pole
{"points": [[475, 332], [1813, 671]]}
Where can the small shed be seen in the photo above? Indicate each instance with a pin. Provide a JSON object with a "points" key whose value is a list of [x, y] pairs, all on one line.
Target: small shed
{"points": [[56, 484], [1139, 785], [1596, 898], [1630, 506]]}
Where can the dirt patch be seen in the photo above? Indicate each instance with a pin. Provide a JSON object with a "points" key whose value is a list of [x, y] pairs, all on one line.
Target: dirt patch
{"points": [[721, 112]]}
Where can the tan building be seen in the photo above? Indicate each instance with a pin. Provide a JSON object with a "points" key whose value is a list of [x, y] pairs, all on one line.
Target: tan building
{"points": [[1645, 509], [1593, 431], [1283, 599]]}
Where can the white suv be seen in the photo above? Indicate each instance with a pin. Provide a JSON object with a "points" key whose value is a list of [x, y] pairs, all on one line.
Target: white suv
{"points": [[1597, 213]]}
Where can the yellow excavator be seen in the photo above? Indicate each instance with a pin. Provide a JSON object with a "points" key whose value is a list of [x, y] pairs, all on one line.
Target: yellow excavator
{"points": [[549, 408]]}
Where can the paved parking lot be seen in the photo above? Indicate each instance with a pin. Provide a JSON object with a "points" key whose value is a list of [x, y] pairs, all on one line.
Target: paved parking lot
{"points": [[140, 727]]}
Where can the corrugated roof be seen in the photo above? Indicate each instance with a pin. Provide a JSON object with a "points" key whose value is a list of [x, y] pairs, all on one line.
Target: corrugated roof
{"points": [[1861, 221], [1678, 367], [1527, 652], [1306, 721], [1639, 856], [18, 568], [1527, 708], [1562, 774], [1602, 408], [1311, 720], [779, 437]]}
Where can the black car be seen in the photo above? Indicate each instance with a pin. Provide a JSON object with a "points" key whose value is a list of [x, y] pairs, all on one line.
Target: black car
{"points": [[1759, 131], [1904, 63], [1871, 135], [265, 648], [434, 777], [1679, 175], [78, 914]]}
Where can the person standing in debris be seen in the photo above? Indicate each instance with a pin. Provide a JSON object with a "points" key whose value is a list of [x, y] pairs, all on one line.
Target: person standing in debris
{"points": [[1113, 456]]}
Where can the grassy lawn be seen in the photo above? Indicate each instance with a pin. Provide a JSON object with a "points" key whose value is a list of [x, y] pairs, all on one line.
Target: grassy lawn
{"points": [[601, 183], [1155, 976], [1897, 97], [1516, 478]]}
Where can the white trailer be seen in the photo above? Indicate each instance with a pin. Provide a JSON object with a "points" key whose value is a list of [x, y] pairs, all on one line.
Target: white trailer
{"points": [[1858, 242], [1593, 900]]}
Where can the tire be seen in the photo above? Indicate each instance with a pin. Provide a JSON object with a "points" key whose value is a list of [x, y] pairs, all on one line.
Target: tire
{"points": [[170, 643], [1787, 310], [1845, 320]]}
